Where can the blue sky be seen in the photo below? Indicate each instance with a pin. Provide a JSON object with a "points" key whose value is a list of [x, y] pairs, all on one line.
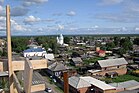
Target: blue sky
{"points": [[48, 17]]}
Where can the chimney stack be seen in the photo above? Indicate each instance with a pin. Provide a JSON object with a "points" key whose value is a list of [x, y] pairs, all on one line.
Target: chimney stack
{"points": [[66, 84]]}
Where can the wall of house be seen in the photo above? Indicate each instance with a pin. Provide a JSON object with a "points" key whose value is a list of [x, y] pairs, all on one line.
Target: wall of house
{"points": [[28, 54], [83, 90], [73, 90], [58, 73], [102, 54], [120, 71], [98, 90], [80, 90], [79, 64], [110, 91], [1, 66]]}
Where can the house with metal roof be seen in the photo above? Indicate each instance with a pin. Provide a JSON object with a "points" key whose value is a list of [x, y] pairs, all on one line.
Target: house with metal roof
{"points": [[77, 61], [110, 67], [127, 85], [78, 85], [89, 84], [98, 86], [36, 51], [56, 69]]}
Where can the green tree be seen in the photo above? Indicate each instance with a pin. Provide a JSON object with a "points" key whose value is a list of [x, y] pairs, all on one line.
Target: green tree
{"points": [[136, 41], [19, 43], [67, 40], [1, 53], [54, 47], [4, 52], [117, 41], [126, 44], [4, 85], [110, 45], [122, 51]]}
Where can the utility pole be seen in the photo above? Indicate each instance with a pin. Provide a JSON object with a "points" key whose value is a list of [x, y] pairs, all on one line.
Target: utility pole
{"points": [[9, 51]]}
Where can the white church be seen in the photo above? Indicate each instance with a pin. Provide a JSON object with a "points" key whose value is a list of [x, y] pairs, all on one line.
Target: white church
{"points": [[60, 40]]}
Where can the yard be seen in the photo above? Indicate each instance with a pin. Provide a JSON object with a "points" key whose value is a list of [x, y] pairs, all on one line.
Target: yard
{"points": [[121, 78]]}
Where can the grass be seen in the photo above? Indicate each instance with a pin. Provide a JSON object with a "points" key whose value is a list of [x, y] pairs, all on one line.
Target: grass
{"points": [[121, 78], [125, 78], [59, 89]]}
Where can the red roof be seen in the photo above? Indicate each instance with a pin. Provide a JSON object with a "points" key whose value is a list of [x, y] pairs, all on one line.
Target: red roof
{"points": [[101, 51]]}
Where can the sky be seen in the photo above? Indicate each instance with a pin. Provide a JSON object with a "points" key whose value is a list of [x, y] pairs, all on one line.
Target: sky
{"points": [[52, 17]]}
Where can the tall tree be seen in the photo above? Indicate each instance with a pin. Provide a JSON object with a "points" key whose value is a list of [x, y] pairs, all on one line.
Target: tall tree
{"points": [[136, 41], [67, 40]]}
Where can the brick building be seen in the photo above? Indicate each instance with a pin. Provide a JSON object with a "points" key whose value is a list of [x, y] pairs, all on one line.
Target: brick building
{"points": [[110, 67]]}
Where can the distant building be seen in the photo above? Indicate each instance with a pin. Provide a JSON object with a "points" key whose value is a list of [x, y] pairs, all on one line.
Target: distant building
{"points": [[77, 61], [60, 39], [49, 56], [101, 53]]}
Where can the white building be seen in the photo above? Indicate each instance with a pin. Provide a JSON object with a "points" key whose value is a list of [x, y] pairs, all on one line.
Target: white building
{"points": [[60, 39], [36, 51]]}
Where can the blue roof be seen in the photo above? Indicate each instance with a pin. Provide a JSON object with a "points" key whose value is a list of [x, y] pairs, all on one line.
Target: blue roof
{"points": [[39, 49]]}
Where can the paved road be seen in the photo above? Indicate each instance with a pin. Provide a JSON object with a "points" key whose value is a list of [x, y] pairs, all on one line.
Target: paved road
{"points": [[47, 84]]}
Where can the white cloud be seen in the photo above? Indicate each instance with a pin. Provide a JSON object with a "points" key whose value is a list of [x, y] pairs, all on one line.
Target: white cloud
{"points": [[49, 20], [128, 13], [1, 2], [40, 29], [123, 17], [60, 27], [32, 2], [96, 26], [111, 2], [19, 11], [57, 14], [2, 23], [71, 13], [1, 8], [131, 6], [124, 29], [17, 27], [31, 19], [14, 25], [2, 19], [137, 29]]}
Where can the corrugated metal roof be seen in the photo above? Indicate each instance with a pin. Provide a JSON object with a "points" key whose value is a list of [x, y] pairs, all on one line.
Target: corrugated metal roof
{"points": [[78, 82], [100, 84], [127, 84], [57, 67], [38, 49], [77, 59], [112, 62], [4, 74]]}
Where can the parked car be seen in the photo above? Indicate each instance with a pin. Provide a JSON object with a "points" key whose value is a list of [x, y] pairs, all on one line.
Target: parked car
{"points": [[54, 80], [49, 90]]}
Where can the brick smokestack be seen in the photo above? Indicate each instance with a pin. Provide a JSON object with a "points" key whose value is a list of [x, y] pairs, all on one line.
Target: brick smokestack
{"points": [[66, 84]]}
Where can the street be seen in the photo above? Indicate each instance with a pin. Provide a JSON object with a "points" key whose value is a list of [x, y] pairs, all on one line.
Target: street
{"points": [[48, 84]]}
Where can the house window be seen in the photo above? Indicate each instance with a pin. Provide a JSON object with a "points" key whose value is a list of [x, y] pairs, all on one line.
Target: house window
{"points": [[105, 68]]}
